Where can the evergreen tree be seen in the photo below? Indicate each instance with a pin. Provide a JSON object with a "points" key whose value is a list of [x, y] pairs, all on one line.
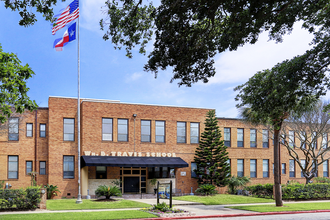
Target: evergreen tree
{"points": [[211, 156]]}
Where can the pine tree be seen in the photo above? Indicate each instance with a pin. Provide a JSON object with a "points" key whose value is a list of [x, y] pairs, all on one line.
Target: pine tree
{"points": [[211, 156]]}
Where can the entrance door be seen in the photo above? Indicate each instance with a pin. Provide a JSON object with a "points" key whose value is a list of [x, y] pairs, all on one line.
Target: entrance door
{"points": [[131, 184]]}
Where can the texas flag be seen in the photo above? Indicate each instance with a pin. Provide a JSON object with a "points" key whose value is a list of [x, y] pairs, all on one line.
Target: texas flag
{"points": [[69, 35]]}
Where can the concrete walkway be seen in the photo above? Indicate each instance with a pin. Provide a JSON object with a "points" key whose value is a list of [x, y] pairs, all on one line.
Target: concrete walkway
{"points": [[202, 211]]}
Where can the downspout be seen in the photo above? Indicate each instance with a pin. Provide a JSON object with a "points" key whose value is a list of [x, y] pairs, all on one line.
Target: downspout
{"points": [[35, 143]]}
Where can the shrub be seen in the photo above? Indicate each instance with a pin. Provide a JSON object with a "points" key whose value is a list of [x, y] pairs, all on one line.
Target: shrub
{"points": [[52, 191], [321, 180], [107, 191], [28, 198], [206, 189], [2, 184], [235, 182], [261, 191], [309, 191]]}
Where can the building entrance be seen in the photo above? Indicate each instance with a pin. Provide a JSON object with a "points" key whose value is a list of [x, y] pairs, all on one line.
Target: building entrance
{"points": [[131, 184]]}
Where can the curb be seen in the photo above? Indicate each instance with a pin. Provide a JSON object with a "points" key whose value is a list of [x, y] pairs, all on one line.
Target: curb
{"points": [[236, 215]]}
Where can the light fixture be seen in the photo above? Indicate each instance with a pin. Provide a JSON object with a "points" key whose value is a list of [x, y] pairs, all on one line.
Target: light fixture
{"points": [[134, 115]]}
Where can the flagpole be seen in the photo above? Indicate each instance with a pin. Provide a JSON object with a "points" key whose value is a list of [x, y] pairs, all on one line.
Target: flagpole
{"points": [[79, 182]]}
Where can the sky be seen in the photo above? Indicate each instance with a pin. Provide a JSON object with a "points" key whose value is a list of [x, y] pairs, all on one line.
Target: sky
{"points": [[106, 73]]}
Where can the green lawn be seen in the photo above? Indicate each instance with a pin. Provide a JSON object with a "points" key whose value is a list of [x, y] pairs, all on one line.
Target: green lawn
{"points": [[70, 204], [286, 207], [82, 215], [223, 199]]}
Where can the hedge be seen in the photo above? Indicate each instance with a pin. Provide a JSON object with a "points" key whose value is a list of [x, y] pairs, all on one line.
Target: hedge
{"points": [[27, 198], [295, 191]]}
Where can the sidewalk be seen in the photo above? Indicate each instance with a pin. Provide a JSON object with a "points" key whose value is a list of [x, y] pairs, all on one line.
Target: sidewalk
{"points": [[201, 211]]}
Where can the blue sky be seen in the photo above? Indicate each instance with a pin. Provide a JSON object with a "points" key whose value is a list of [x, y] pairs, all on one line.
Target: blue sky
{"points": [[107, 73]]}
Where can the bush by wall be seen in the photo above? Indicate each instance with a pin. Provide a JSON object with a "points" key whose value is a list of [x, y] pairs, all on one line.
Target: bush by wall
{"points": [[293, 191], [28, 198], [261, 191]]}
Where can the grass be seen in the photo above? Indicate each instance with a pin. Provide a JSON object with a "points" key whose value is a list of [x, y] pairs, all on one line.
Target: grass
{"points": [[70, 204], [285, 207], [223, 199], [81, 215]]}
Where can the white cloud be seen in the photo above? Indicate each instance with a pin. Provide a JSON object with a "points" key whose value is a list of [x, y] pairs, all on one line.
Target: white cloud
{"points": [[133, 77], [238, 66], [91, 14]]}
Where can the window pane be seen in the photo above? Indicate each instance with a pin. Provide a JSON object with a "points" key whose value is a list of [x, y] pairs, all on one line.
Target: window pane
{"points": [[325, 140], [29, 130], [160, 139], [265, 168], [193, 168], [292, 168], [122, 130], [227, 137], [181, 132], [160, 131], [42, 168], [253, 138], [68, 129], [253, 168], [107, 129], [28, 167], [13, 129], [194, 133], [145, 131], [240, 167], [68, 167]]}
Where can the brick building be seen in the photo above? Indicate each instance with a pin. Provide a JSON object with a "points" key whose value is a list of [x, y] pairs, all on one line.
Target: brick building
{"points": [[131, 142]]}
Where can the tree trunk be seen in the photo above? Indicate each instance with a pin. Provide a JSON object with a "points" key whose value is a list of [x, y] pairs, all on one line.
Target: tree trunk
{"points": [[277, 176]]}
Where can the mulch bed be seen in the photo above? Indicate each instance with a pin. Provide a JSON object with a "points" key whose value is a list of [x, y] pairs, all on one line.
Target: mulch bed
{"points": [[105, 200]]}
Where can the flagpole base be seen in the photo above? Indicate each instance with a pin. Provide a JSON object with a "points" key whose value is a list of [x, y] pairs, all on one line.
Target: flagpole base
{"points": [[79, 200]]}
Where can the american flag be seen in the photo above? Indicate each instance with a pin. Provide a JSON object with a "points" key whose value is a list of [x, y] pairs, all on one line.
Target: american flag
{"points": [[69, 14]]}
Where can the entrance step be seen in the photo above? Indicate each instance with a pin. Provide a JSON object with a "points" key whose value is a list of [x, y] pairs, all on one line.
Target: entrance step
{"points": [[139, 196]]}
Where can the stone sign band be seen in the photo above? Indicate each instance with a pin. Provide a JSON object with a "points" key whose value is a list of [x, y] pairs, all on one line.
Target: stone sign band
{"points": [[131, 154]]}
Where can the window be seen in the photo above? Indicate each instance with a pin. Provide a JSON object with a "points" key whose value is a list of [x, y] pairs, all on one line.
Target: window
{"points": [[161, 172], [315, 168], [303, 164], [283, 168], [68, 167], [106, 129], [265, 141], [160, 131], [292, 168], [29, 130], [326, 168], [314, 140], [42, 168], [291, 139], [253, 168], [13, 129], [122, 130], [240, 167], [240, 137], [227, 137], [145, 131], [253, 138], [325, 140], [303, 140], [42, 130], [265, 168], [193, 168], [12, 167], [101, 172], [194, 133], [28, 167], [68, 131], [181, 132]]}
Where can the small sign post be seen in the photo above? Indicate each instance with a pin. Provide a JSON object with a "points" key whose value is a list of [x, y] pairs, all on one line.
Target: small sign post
{"points": [[164, 191]]}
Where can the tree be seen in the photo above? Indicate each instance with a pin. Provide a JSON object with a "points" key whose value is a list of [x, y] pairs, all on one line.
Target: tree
{"points": [[13, 77], [308, 128], [211, 156], [188, 34], [270, 96]]}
